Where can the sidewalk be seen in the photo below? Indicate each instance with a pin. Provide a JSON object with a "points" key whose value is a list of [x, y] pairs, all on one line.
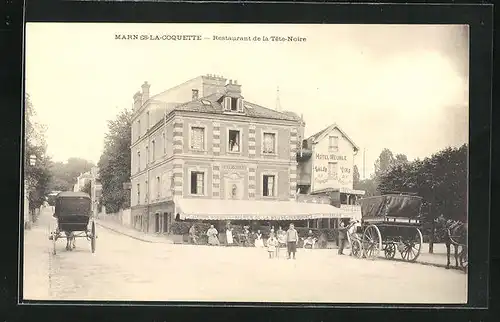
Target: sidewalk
{"points": [[36, 270], [132, 233]]}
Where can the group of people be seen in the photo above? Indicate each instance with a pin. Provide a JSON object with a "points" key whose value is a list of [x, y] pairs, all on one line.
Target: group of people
{"points": [[276, 240], [290, 238]]}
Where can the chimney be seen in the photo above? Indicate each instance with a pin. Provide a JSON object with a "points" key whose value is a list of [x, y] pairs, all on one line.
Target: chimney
{"points": [[137, 101], [145, 92], [233, 87], [195, 94]]}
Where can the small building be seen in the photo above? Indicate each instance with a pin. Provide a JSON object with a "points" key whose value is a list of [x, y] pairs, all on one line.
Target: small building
{"points": [[82, 180], [92, 177], [325, 168], [202, 151]]}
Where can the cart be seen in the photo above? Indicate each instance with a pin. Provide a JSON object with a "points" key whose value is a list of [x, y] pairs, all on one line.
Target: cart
{"points": [[390, 223], [74, 220]]}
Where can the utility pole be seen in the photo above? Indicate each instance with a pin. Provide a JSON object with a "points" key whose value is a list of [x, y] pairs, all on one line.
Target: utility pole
{"points": [[364, 164], [278, 103]]}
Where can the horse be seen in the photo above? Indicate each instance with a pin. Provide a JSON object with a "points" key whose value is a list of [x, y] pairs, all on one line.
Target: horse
{"points": [[70, 240], [454, 233]]}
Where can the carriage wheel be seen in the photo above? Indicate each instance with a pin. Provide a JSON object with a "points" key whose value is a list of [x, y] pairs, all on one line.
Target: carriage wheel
{"points": [[410, 249], [356, 248], [372, 242], [93, 238], [464, 258], [390, 250]]}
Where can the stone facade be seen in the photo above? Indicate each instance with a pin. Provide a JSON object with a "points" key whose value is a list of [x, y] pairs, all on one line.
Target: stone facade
{"points": [[214, 144]]}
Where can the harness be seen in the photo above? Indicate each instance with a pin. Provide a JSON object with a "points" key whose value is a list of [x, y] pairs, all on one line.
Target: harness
{"points": [[449, 229]]}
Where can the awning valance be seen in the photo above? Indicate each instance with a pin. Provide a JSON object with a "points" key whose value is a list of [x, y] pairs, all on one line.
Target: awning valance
{"points": [[217, 209]]}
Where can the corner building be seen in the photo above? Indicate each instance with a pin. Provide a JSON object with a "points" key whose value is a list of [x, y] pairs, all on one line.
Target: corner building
{"points": [[200, 149]]}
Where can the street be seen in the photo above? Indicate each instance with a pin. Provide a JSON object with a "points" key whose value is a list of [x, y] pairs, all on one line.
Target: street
{"points": [[131, 270]]}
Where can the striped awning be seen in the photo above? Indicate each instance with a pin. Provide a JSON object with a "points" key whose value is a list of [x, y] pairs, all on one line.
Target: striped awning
{"points": [[216, 209]]}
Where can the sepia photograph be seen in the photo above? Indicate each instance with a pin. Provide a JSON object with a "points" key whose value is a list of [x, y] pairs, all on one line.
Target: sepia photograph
{"points": [[262, 163]]}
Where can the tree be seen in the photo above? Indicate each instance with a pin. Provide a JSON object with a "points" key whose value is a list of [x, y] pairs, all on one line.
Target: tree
{"points": [[441, 180], [355, 176], [384, 162], [369, 186], [64, 174], [114, 164], [37, 175], [400, 159], [87, 188]]}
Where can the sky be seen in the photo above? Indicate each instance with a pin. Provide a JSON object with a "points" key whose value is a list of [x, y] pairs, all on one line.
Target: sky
{"points": [[401, 87]]}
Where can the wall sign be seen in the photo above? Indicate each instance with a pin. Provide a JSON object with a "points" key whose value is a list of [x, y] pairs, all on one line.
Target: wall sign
{"points": [[233, 167], [331, 157], [331, 176]]}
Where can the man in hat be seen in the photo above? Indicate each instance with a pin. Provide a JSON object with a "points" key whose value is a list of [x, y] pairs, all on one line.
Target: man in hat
{"points": [[342, 237]]}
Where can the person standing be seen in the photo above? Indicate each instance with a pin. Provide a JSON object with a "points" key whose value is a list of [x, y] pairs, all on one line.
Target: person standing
{"points": [[212, 236], [291, 240], [272, 243], [192, 235], [342, 237], [258, 239], [229, 236]]}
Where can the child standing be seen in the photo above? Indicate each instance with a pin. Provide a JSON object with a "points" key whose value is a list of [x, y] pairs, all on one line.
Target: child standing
{"points": [[272, 243]]}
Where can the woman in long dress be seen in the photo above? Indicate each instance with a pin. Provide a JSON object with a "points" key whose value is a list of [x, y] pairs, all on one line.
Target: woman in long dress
{"points": [[212, 236], [258, 239], [229, 236]]}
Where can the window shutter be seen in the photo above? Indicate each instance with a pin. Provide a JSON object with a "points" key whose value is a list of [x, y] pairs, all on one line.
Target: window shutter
{"points": [[240, 105], [227, 103]]}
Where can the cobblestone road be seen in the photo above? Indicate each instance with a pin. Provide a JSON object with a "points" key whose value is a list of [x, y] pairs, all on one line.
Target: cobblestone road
{"points": [[127, 269]]}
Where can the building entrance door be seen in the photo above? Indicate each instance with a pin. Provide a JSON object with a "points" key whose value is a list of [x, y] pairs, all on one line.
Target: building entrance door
{"points": [[165, 222], [157, 223]]}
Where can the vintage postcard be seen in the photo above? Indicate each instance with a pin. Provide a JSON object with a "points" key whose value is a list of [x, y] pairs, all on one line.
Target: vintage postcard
{"points": [[311, 163]]}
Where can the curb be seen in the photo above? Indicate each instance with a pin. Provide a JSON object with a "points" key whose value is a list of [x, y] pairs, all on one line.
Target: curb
{"points": [[423, 263], [125, 234]]}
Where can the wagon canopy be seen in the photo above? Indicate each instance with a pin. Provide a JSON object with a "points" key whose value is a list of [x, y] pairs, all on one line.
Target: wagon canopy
{"points": [[72, 203], [391, 205]]}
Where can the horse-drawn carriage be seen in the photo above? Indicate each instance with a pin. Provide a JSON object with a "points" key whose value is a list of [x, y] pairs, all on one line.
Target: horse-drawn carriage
{"points": [[74, 219], [389, 223]]}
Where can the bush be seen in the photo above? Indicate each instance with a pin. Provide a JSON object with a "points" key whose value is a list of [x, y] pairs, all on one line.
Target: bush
{"points": [[182, 228]]}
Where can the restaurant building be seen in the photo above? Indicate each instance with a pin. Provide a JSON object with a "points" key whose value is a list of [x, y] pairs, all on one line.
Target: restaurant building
{"points": [[325, 169], [202, 151]]}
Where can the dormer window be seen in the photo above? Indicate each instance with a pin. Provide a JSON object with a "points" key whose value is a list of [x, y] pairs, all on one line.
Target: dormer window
{"points": [[233, 104]]}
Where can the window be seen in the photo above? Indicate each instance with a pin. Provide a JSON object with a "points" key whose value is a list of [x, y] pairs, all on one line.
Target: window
{"points": [[234, 104], [154, 149], [197, 183], [268, 185], [164, 143], [333, 143], [195, 94], [158, 187], [234, 141], [147, 121], [138, 128], [138, 193], [269, 145], [332, 170], [138, 161], [147, 156], [197, 138]]}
